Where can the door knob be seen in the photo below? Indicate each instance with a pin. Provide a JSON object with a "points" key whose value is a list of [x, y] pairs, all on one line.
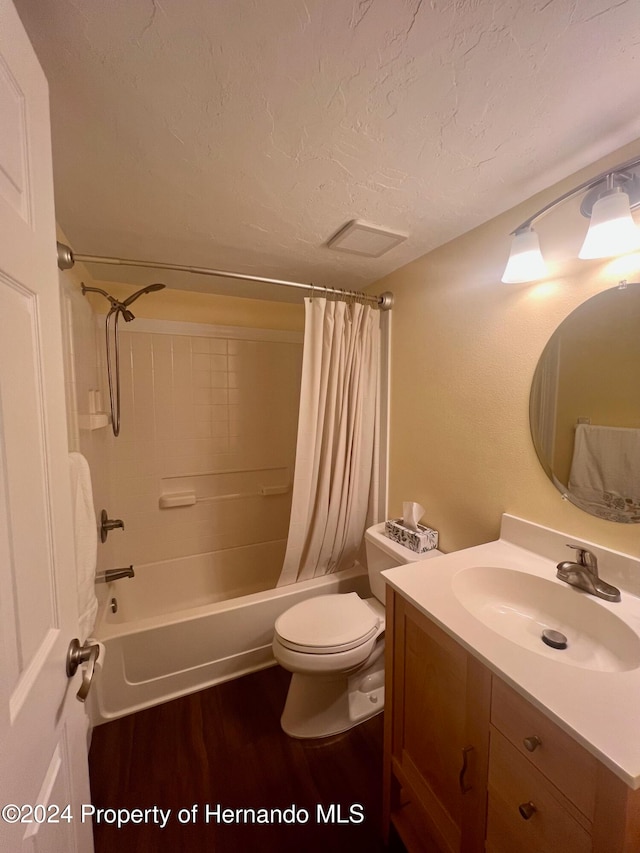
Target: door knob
{"points": [[76, 655]]}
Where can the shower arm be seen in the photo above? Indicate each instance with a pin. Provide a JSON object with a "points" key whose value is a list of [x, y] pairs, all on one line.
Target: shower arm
{"points": [[114, 302], [67, 258]]}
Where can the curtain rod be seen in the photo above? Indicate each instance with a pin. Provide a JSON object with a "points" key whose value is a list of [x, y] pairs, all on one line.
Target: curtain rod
{"points": [[67, 258]]}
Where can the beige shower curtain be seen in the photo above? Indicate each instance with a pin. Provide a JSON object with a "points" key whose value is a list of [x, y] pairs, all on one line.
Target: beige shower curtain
{"points": [[337, 438]]}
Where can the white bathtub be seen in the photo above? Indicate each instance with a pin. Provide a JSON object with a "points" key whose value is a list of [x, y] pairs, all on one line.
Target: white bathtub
{"points": [[172, 634]]}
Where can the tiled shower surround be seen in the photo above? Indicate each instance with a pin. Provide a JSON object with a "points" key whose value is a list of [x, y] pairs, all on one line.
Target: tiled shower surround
{"points": [[211, 412]]}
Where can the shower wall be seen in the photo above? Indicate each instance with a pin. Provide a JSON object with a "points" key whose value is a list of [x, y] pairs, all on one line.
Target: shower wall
{"points": [[209, 409], [209, 413], [82, 377]]}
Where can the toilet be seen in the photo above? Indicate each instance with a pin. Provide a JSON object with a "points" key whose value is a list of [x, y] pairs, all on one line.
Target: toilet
{"points": [[334, 646]]}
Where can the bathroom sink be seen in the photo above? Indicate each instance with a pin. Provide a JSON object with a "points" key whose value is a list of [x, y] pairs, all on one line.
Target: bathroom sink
{"points": [[520, 606]]}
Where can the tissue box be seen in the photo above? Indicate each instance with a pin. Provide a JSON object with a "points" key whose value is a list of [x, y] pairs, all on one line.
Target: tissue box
{"points": [[420, 540]]}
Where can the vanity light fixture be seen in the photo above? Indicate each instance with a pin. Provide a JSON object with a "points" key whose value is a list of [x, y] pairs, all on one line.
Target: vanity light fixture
{"points": [[608, 201], [525, 260], [612, 230]]}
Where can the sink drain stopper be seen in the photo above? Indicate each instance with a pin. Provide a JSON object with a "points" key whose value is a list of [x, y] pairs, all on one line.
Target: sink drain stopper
{"points": [[554, 639]]}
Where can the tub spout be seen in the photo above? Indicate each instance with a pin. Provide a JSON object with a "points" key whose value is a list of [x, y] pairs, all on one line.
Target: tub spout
{"points": [[115, 574]]}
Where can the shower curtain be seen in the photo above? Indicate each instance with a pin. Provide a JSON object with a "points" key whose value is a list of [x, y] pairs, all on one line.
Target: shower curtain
{"points": [[337, 438]]}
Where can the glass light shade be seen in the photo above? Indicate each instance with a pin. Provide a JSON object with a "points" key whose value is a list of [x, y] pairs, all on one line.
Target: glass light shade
{"points": [[525, 261], [612, 230]]}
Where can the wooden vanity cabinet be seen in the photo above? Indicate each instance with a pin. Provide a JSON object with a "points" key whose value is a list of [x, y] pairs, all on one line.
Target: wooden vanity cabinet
{"points": [[471, 766], [436, 735]]}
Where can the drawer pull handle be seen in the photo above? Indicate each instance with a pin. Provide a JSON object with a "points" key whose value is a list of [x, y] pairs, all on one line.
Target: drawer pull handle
{"points": [[532, 743], [463, 772], [527, 810]]}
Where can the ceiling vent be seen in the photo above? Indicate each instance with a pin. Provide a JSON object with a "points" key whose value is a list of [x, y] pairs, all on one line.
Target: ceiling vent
{"points": [[359, 238]]}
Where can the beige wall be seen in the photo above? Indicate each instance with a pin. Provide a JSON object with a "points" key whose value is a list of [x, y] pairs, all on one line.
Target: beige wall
{"points": [[464, 349]]}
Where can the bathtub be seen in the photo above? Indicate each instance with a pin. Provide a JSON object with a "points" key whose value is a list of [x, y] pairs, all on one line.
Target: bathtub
{"points": [[186, 624]]}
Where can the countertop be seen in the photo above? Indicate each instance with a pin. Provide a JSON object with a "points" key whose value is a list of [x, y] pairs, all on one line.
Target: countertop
{"points": [[601, 710]]}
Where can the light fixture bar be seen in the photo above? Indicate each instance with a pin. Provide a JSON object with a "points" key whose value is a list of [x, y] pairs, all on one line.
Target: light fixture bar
{"points": [[628, 165], [608, 201]]}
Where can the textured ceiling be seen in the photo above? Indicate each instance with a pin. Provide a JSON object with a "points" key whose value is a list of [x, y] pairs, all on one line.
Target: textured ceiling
{"points": [[242, 134]]}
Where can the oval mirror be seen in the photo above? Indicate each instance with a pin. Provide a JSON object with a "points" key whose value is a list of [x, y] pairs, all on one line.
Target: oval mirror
{"points": [[584, 408]]}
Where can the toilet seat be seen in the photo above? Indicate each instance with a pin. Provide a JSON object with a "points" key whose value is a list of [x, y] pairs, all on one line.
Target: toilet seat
{"points": [[327, 624]]}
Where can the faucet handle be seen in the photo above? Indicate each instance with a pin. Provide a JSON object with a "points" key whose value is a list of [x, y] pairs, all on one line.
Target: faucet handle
{"points": [[107, 524], [584, 557]]}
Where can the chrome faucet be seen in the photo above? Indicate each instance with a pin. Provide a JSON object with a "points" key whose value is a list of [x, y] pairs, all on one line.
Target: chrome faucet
{"points": [[115, 574], [583, 574]]}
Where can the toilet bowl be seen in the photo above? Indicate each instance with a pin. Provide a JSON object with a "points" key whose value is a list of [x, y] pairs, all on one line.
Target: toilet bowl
{"points": [[334, 646]]}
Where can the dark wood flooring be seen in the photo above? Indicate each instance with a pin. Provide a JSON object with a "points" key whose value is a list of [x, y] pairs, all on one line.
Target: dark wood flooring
{"points": [[224, 746]]}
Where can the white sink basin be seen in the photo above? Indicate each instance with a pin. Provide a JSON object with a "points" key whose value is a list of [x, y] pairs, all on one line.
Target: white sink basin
{"points": [[519, 606]]}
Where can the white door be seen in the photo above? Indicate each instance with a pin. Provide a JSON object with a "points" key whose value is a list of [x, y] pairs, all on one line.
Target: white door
{"points": [[43, 752]]}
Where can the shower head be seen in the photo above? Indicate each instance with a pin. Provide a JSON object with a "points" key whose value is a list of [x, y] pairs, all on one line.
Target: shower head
{"points": [[116, 305], [119, 309], [148, 289]]}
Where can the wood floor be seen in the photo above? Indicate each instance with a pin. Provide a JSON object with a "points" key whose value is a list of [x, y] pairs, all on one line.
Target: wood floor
{"points": [[224, 747]]}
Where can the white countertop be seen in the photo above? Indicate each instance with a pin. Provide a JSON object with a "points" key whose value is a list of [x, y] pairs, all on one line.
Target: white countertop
{"points": [[599, 709]]}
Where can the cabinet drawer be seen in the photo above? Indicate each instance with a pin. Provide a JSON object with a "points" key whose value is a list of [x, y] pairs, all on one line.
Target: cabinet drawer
{"points": [[547, 825], [557, 755]]}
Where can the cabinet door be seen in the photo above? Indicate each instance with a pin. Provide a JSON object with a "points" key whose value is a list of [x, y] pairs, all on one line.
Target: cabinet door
{"points": [[440, 709]]}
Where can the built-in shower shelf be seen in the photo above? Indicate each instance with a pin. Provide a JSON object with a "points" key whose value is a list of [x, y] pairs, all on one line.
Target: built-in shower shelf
{"points": [[177, 499], [97, 420], [179, 490], [174, 499]]}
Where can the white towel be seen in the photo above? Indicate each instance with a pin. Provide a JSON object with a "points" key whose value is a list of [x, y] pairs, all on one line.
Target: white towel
{"points": [[605, 471], [86, 542]]}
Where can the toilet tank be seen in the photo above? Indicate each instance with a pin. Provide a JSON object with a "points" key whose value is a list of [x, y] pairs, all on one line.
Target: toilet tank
{"points": [[383, 553]]}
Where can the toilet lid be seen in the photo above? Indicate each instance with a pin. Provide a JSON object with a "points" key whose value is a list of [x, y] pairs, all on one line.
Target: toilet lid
{"points": [[328, 623]]}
